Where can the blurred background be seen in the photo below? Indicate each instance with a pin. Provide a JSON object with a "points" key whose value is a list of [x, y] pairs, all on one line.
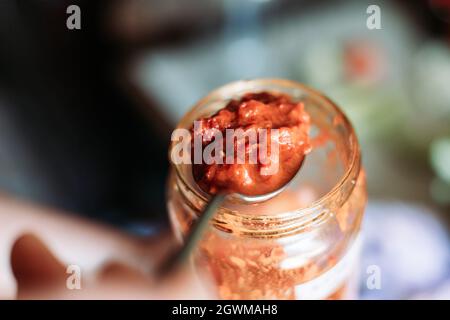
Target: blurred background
{"points": [[86, 115]]}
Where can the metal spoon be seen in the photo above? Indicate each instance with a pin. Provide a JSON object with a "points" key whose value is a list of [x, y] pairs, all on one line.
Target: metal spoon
{"points": [[199, 228]]}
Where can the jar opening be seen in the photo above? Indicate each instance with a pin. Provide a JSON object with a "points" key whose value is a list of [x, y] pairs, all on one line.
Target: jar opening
{"points": [[323, 184]]}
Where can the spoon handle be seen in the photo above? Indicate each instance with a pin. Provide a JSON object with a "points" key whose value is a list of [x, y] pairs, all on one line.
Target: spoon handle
{"points": [[181, 255]]}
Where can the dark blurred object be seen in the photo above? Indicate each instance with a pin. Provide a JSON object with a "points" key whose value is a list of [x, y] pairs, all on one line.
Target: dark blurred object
{"points": [[144, 22], [76, 141]]}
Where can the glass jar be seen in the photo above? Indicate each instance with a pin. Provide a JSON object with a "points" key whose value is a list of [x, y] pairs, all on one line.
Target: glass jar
{"points": [[301, 244]]}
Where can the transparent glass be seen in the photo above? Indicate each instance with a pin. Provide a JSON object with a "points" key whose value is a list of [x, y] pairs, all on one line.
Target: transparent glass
{"points": [[302, 244]]}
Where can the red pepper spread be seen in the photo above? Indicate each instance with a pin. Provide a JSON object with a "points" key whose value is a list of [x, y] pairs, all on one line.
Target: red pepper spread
{"points": [[255, 111]]}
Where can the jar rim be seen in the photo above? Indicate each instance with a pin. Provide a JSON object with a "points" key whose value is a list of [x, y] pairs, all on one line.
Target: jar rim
{"points": [[315, 208]]}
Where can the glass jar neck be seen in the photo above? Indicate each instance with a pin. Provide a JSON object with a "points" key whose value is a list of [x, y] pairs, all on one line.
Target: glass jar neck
{"points": [[258, 220]]}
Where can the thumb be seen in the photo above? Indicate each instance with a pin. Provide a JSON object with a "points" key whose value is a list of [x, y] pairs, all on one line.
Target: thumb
{"points": [[34, 267]]}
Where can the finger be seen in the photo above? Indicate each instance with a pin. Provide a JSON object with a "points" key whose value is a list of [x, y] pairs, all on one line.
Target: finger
{"points": [[35, 268]]}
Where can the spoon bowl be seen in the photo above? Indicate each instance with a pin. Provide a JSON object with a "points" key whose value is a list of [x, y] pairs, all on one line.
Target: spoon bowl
{"points": [[248, 199]]}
